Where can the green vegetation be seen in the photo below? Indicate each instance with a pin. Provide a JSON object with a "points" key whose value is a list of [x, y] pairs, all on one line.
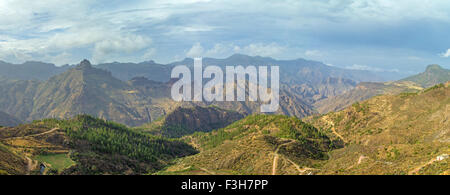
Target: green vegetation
{"points": [[10, 162], [58, 162], [286, 127], [361, 107], [391, 134], [247, 146], [433, 75], [96, 146], [441, 85], [113, 138], [184, 121]]}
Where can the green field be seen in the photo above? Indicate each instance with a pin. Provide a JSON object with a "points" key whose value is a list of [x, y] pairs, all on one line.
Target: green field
{"points": [[56, 161]]}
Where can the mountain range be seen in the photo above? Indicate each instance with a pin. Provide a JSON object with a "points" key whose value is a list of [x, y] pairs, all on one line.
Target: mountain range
{"points": [[407, 133], [307, 87], [330, 121], [433, 75], [94, 90], [8, 120]]}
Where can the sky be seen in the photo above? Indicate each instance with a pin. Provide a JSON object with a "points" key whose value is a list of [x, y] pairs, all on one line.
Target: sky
{"points": [[378, 35]]}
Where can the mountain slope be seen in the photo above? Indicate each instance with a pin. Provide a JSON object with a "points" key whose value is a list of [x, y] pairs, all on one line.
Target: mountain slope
{"points": [[127, 71], [390, 134], [257, 144], [86, 145], [84, 89], [184, 121], [11, 163], [364, 91], [87, 90], [299, 70], [8, 120], [30, 70], [310, 80], [433, 75], [16, 97]]}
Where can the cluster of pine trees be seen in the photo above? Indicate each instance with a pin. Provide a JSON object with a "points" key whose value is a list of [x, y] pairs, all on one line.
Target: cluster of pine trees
{"points": [[112, 138]]}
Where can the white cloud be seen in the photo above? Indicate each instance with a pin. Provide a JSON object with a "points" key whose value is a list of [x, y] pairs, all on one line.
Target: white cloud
{"points": [[195, 51], [261, 49], [52, 29], [119, 45], [313, 53], [369, 68], [224, 50], [445, 54]]}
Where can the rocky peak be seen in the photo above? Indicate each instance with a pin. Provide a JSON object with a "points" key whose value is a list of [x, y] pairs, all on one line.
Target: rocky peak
{"points": [[84, 64], [433, 67]]}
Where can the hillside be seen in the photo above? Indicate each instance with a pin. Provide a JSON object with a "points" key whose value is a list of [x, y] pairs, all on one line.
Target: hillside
{"points": [[310, 80], [390, 134], [128, 71], [7, 120], [16, 97], [84, 89], [299, 70], [87, 90], [257, 144], [30, 70], [433, 75], [184, 121], [86, 145], [11, 163], [364, 91]]}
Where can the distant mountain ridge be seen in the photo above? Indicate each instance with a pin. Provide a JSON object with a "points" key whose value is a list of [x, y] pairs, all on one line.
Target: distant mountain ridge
{"points": [[311, 80], [126, 71], [30, 70], [306, 87], [148, 69], [433, 75], [7, 120], [85, 89], [299, 70]]}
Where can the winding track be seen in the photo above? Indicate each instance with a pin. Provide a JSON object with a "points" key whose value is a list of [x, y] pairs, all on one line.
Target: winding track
{"points": [[31, 164], [35, 135], [275, 161], [422, 166], [275, 158]]}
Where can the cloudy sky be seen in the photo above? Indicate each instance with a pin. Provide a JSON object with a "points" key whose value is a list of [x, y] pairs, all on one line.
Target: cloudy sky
{"points": [[378, 35]]}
